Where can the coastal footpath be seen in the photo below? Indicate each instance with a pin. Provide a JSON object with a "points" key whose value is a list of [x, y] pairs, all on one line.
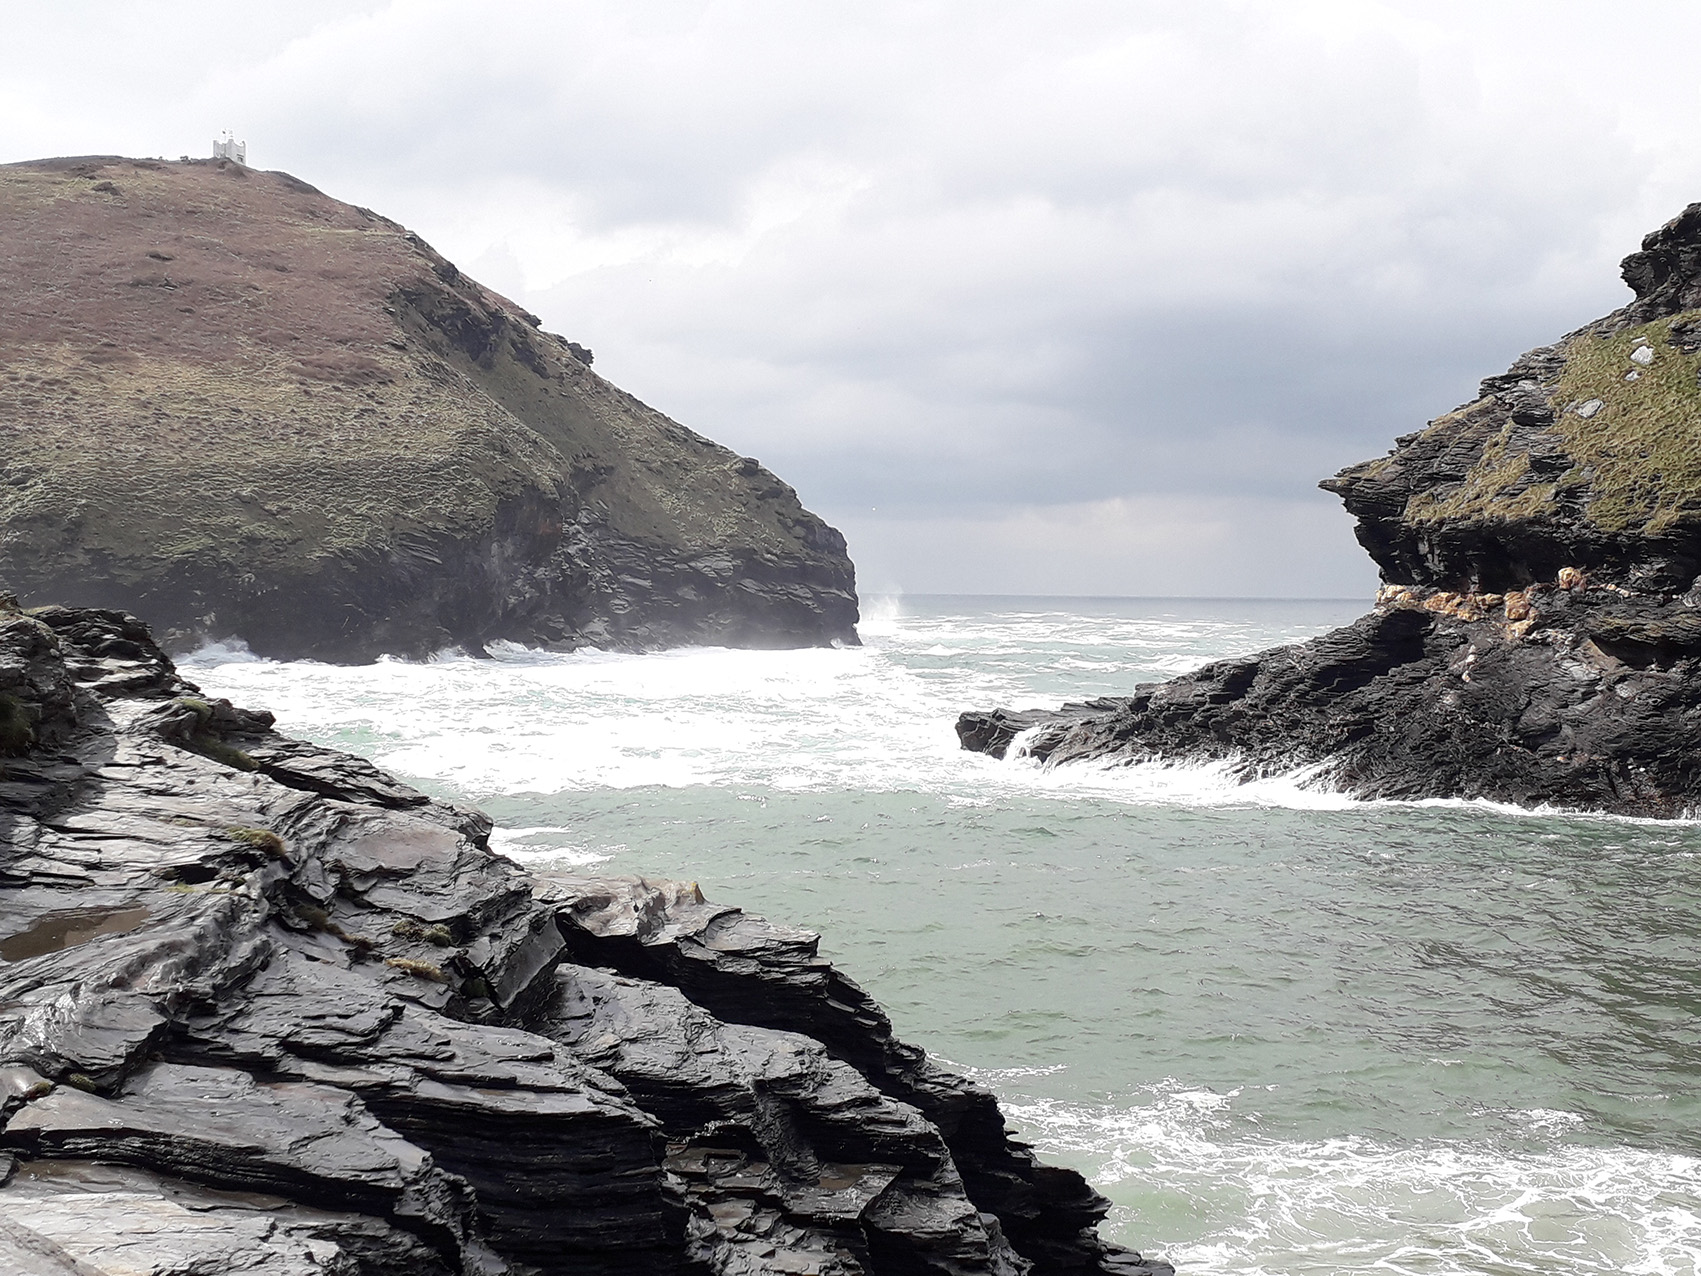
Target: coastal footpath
{"points": [[265, 1008], [238, 408], [1537, 639]]}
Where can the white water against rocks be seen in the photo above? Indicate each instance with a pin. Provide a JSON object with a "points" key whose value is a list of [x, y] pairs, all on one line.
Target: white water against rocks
{"points": [[1285, 1032]]}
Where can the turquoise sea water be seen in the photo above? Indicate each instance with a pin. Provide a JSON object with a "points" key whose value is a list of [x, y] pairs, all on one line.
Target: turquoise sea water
{"points": [[1284, 1032]]}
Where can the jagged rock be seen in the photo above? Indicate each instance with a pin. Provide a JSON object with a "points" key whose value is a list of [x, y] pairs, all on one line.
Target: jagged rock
{"points": [[239, 408], [1536, 639], [314, 1144], [263, 1008], [747, 970], [1581, 455]]}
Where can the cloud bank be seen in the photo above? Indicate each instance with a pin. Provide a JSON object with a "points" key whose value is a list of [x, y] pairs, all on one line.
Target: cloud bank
{"points": [[1073, 297]]}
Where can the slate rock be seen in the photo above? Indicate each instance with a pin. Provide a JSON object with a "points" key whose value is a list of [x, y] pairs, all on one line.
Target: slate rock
{"points": [[264, 1008]]}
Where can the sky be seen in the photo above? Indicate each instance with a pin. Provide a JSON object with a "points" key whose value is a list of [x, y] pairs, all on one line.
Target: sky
{"points": [[1060, 298]]}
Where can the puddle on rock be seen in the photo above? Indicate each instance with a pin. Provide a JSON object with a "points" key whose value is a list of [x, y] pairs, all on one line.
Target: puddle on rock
{"points": [[69, 928]]}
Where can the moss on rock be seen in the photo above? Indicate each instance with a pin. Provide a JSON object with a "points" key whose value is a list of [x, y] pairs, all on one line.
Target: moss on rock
{"points": [[17, 726], [1641, 449], [1586, 453]]}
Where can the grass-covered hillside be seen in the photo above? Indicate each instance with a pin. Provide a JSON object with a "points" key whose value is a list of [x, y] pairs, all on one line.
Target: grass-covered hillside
{"points": [[239, 407]]}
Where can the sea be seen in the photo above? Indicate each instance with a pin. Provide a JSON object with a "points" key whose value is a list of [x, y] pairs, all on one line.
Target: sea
{"points": [[1286, 1033]]}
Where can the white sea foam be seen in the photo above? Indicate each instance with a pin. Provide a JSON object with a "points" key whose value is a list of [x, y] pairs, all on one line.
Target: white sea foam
{"points": [[877, 718], [548, 843], [1333, 1206]]}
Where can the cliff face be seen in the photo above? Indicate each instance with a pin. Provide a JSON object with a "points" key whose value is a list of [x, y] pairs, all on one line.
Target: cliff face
{"points": [[1537, 638], [263, 1008], [1584, 454], [237, 407]]}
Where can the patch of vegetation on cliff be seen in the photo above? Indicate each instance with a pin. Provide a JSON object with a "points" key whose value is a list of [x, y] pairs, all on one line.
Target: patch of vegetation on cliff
{"points": [[233, 404], [1499, 486], [1627, 429], [1642, 448], [17, 726], [246, 470]]}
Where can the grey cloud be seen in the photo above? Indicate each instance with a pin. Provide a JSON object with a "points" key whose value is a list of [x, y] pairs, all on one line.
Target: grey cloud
{"points": [[1007, 275]]}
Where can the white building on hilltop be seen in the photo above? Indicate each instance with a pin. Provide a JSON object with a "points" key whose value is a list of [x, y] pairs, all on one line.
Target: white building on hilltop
{"points": [[228, 148]]}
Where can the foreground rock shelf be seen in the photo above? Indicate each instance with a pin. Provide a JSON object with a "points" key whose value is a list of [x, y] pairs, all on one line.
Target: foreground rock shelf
{"points": [[1537, 639], [263, 1008]]}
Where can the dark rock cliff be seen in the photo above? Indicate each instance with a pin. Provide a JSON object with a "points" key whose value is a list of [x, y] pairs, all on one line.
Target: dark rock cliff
{"points": [[1584, 454], [263, 1008], [236, 407], [1537, 639]]}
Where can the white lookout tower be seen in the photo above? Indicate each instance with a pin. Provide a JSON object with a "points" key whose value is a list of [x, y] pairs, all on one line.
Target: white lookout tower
{"points": [[228, 148]]}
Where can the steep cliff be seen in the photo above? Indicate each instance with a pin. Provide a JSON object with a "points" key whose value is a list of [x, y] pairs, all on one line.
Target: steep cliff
{"points": [[1584, 454], [1538, 635], [237, 407], [265, 1009]]}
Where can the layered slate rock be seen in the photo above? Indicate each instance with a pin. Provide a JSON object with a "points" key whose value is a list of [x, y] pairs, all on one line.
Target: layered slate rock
{"points": [[1537, 639], [239, 408], [265, 1008]]}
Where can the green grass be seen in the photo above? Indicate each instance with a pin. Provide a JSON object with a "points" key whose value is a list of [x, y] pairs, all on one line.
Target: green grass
{"points": [[210, 746], [260, 839], [1636, 461], [1643, 448], [408, 928], [200, 708], [1497, 487]]}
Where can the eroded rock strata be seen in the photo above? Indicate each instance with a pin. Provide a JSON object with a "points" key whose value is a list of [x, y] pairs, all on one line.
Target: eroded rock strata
{"points": [[263, 1008], [236, 407], [1537, 639]]}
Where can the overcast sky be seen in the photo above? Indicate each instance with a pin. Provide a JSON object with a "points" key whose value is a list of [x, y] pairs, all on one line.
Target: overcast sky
{"points": [[1048, 298]]}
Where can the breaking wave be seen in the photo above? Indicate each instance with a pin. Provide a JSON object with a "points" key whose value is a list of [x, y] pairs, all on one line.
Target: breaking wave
{"points": [[1357, 1204], [877, 718]]}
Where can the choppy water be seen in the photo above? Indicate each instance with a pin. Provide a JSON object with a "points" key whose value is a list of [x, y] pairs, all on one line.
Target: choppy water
{"points": [[1284, 1032]]}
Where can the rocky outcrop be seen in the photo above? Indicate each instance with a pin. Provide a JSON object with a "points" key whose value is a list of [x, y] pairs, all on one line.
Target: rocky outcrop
{"points": [[1538, 636], [1583, 454], [238, 408], [264, 1008]]}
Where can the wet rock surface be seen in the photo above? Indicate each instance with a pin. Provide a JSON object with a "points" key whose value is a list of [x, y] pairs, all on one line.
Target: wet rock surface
{"points": [[1595, 706], [1538, 636], [263, 1008]]}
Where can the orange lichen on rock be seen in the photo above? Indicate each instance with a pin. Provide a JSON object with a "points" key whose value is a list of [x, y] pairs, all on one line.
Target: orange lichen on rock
{"points": [[1458, 606]]}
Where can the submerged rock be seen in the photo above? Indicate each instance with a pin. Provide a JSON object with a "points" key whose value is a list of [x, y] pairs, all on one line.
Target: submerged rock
{"points": [[1537, 638], [264, 1008], [237, 407]]}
